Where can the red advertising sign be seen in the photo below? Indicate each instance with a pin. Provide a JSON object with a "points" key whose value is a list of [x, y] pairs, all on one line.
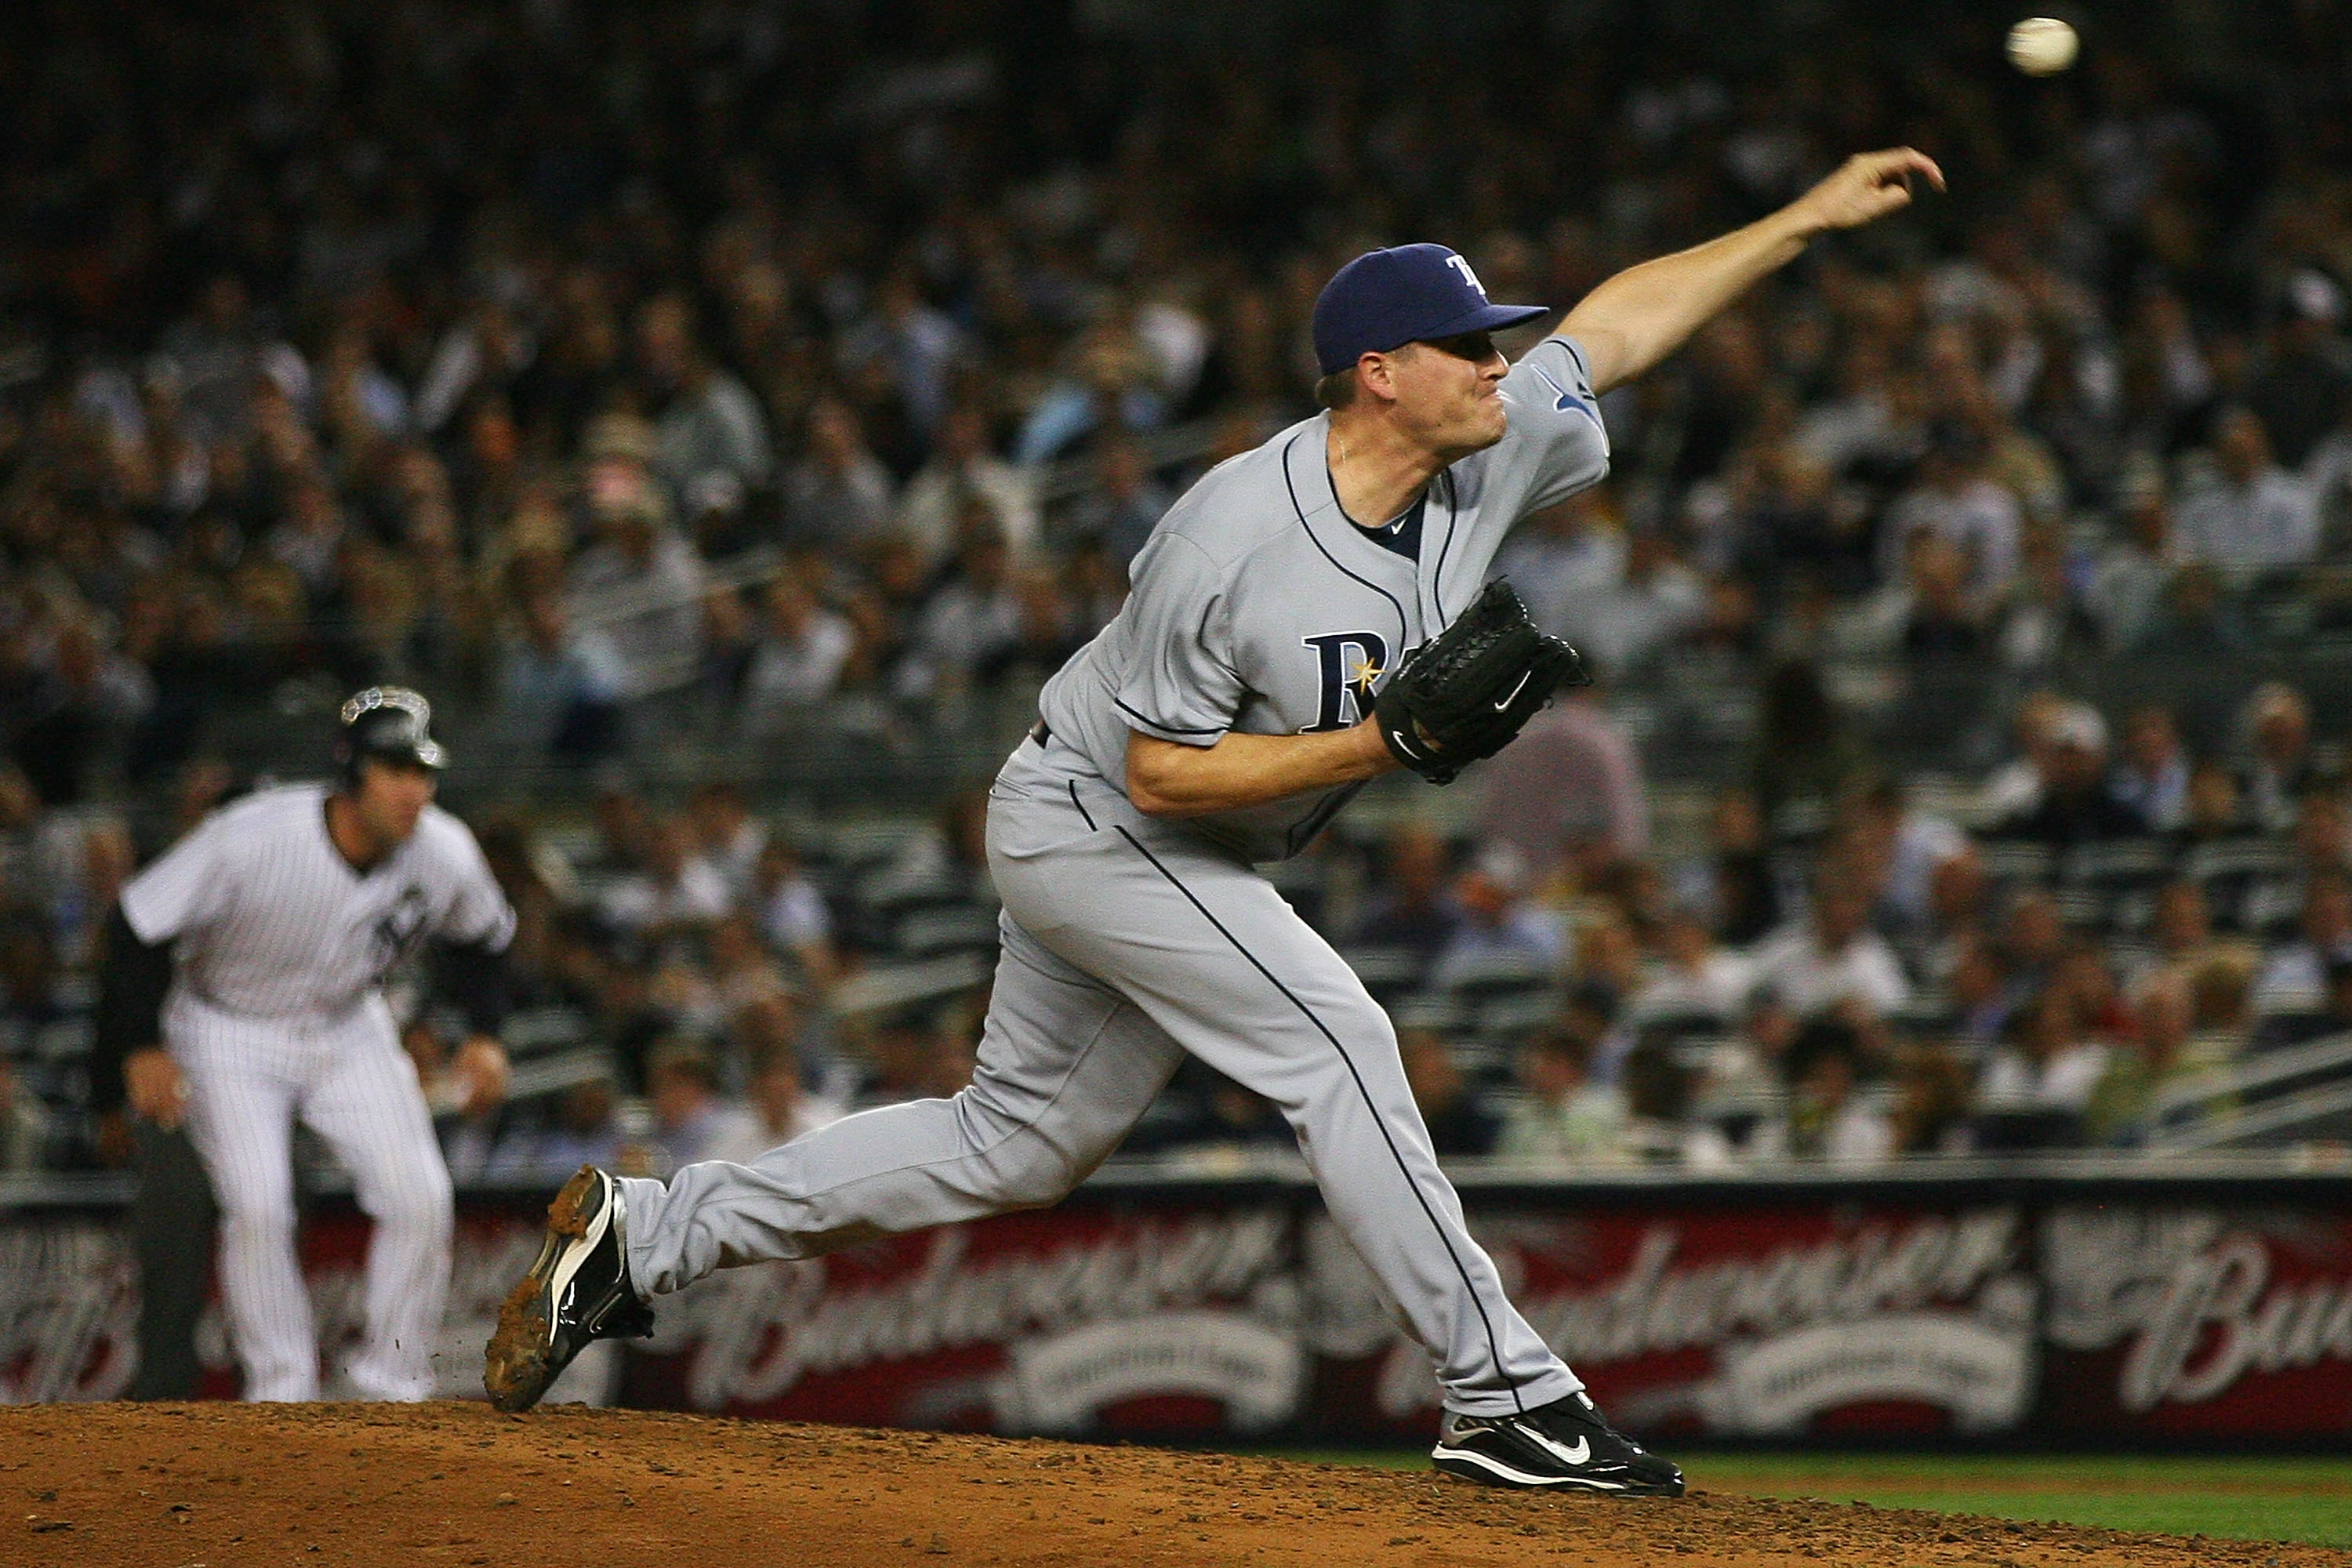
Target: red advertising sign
{"points": [[1823, 1311]]}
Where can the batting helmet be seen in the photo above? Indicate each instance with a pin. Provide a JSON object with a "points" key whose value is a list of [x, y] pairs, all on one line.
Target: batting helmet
{"points": [[392, 723]]}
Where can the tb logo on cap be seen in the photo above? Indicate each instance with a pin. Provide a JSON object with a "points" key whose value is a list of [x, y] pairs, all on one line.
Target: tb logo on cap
{"points": [[1461, 265]]}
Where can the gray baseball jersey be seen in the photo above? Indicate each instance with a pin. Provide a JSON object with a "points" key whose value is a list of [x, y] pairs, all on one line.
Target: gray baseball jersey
{"points": [[276, 1013], [1259, 606], [1131, 940]]}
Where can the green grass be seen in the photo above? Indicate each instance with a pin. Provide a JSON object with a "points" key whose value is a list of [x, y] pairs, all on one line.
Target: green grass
{"points": [[2298, 1500]]}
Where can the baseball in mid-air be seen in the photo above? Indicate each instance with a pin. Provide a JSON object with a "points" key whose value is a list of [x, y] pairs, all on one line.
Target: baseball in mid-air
{"points": [[2041, 45]]}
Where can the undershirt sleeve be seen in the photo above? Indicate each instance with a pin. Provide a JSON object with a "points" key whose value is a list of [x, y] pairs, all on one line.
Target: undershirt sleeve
{"points": [[132, 983]]}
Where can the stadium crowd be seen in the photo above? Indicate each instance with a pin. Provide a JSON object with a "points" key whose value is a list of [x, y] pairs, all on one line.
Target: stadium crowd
{"points": [[823, 360]]}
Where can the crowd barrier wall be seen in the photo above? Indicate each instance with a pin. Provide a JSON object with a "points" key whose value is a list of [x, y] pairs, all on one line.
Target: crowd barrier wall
{"points": [[2048, 1304]]}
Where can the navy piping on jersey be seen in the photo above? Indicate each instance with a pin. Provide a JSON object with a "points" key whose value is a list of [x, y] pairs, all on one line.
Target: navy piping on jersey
{"points": [[1404, 632], [1303, 832], [1082, 810], [1435, 619], [1494, 1349], [1172, 729]]}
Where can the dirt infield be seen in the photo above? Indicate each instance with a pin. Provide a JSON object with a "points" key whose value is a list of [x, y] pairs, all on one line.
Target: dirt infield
{"points": [[221, 1486]]}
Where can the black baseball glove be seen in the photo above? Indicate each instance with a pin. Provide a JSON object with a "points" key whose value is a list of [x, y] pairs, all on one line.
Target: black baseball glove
{"points": [[1466, 692]]}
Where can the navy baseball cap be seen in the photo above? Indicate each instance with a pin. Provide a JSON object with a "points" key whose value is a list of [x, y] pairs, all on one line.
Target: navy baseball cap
{"points": [[1386, 298]]}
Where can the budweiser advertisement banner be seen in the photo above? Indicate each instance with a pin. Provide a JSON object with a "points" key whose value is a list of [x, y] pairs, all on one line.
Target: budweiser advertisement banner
{"points": [[2047, 1308]]}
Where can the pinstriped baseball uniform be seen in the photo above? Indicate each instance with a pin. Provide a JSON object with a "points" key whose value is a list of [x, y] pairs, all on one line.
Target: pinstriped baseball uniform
{"points": [[1258, 606], [277, 1012]]}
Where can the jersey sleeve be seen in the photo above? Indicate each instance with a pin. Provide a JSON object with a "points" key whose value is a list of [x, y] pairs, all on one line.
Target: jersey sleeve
{"points": [[183, 890], [477, 914], [1179, 682], [1557, 444]]}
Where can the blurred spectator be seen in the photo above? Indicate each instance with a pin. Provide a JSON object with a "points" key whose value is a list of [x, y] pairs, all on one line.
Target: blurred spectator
{"points": [[2278, 732], [676, 888], [1932, 1102], [1561, 558], [560, 689], [2248, 512], [972, 619], [2127, 584], [1458, 1120], [1827, 1117], [2152, 777], [2293, 974], [1047, 633], [579, 1128], [85, 702], [910, 1054], [782, 1107], [2182, 926], [1912, 843], [2214, 812], [1645, 610], [838, 495], [1805, 755], [726, 834], [2033, 941], [2015, 786], [2045, 1068], [791, 912], [639, 582], [692, 1122], [2153, 1057], [1565, 1118], [24, 1131], [1496, 925], [2041, 627], [2197, 624], [960, 467], [1659, 1128], [1738, 881], [1220, 1115], [2221, 1010], [802, 651], [1958, 504], [2075, 804], [948, 860], [2306, 386], [1416, 911], [1831, 956], [1124, 505], [1694, 980], [711, 442], [2323, 830], [1569, 789]]}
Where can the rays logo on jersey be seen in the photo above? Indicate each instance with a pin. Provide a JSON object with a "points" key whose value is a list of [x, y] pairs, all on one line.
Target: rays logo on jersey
{"points": [[1348, 663]]}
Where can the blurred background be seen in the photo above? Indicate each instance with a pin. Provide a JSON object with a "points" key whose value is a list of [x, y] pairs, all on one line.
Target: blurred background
{"points": [[728, 414]]}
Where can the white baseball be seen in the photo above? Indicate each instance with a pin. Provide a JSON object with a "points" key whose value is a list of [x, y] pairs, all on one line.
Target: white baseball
{"points": [[2041, 45]]}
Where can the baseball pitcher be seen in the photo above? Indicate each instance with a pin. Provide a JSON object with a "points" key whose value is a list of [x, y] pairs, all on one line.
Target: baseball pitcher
{"points": [[1311, 615]]}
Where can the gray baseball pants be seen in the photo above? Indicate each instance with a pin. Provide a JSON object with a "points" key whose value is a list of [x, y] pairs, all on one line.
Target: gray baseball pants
{"points": [[1127, 942]]}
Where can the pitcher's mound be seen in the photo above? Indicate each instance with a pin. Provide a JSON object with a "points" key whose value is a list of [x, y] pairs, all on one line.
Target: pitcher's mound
{"points": [[171, 1485]]}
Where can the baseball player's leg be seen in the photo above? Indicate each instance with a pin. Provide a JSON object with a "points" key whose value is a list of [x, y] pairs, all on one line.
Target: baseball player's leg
{"points": [[1215, 957], [1064, 1068], [241, 1119], [367, 1107]]}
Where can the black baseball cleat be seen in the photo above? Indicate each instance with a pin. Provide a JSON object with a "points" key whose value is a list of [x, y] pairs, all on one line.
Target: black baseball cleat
{"points": [[578, 1290], [1567, 1444]]}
